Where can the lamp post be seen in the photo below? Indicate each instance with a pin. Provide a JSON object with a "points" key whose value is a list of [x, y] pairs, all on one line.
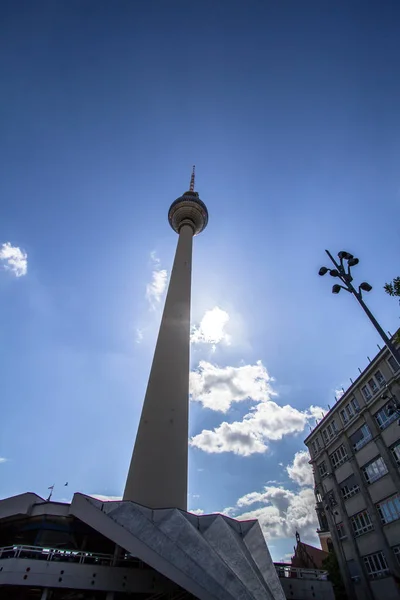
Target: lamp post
{"points": [[344, 274]]}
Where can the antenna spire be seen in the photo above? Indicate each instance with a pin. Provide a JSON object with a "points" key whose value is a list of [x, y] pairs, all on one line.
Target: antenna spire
{"points": [[192, 179]]}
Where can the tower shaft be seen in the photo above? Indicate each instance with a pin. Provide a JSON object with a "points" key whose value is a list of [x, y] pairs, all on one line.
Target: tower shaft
{"points": [[158, 472]]}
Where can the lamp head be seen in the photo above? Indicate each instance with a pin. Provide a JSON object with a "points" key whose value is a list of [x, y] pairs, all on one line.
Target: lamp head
{"points": [[353, 262], [334, 273], [336, 288], [322, 271], [346, 255], [365, 286]]}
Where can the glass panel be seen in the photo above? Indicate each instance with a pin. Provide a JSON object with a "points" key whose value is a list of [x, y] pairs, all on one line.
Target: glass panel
{"points": [[383, 418], [375, 470], [396, 453], [366, 392], [393, 364], [380, 378]]}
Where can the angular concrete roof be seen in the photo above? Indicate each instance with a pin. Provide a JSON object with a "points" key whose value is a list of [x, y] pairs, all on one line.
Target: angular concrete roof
{"points": [[212, 557]]}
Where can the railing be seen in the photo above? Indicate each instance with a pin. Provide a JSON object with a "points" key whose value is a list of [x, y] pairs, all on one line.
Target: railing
{"points": [[63, 555], [284, 570]]}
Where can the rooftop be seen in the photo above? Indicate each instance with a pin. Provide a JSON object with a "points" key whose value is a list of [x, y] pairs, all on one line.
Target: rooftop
{"points": [[383, 352]]}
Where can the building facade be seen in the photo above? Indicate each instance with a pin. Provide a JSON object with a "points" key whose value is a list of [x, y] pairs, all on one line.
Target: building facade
{"points": [[355, 455]]}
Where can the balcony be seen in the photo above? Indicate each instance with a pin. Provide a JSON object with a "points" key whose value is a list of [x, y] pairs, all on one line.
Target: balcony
{"points": [[38, 567], [307, 584]]}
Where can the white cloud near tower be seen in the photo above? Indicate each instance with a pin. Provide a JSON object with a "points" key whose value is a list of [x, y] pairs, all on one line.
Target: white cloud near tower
{"points": [[157, 286], [13, 259], [217, 388], [280, 511]]}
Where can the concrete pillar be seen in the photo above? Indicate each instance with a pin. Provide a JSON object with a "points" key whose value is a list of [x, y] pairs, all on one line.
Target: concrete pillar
{"points": [[157, 475], [45, 594], [110, 596]]}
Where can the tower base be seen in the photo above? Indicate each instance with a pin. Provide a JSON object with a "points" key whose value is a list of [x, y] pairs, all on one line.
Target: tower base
{"points": [[125, 550]]}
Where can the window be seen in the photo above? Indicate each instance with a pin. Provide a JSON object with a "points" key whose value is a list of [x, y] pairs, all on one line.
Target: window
{"points": [[389, 509], [322, 469], [361, 437], [372, 385], [349, 410], [318, 444], [341, 531], [361, 523], [318, 496], [349, 487], [375, 470], [331, 498], [314, 447], [330, 432], [396, 453], [338, 457], [376, 565], [322, 520], [393, 364], [383, 418], [366, 393], [396, 551], [380, 379]]}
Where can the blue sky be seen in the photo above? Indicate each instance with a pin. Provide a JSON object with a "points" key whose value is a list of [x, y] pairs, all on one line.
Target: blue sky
{"points": [[290, 112]]}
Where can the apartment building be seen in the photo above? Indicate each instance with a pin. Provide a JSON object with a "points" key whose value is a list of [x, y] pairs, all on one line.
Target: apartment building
{"points": [[355, 454]]}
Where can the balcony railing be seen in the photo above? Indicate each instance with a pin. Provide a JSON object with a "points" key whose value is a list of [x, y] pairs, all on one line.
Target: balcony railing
{"points": [[63, 555], [284, 570]]}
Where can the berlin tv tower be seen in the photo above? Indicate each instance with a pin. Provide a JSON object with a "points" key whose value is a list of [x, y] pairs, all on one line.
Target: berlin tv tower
{"points": [[158, 472]]}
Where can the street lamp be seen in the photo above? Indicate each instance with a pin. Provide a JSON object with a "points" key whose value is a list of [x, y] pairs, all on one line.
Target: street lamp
{"points": [[344, 274]]}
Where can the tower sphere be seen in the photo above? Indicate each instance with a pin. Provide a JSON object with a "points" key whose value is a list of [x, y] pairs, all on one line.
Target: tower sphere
{"points": [[188, 210]]}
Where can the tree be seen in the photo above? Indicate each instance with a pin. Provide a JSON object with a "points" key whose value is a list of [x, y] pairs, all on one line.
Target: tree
{"points": [[393, 288], [331, 564]]}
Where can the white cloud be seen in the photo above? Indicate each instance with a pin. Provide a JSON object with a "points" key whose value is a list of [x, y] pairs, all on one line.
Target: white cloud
{"points": [[197, 511], [266, 421], [300, 470], [3, 460], [104, 498], [229, 437], [282, 512], [217, 388], [212, 328], [139, 336], [156, 288], [339, 393], [15, 259], [229, 511]]}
